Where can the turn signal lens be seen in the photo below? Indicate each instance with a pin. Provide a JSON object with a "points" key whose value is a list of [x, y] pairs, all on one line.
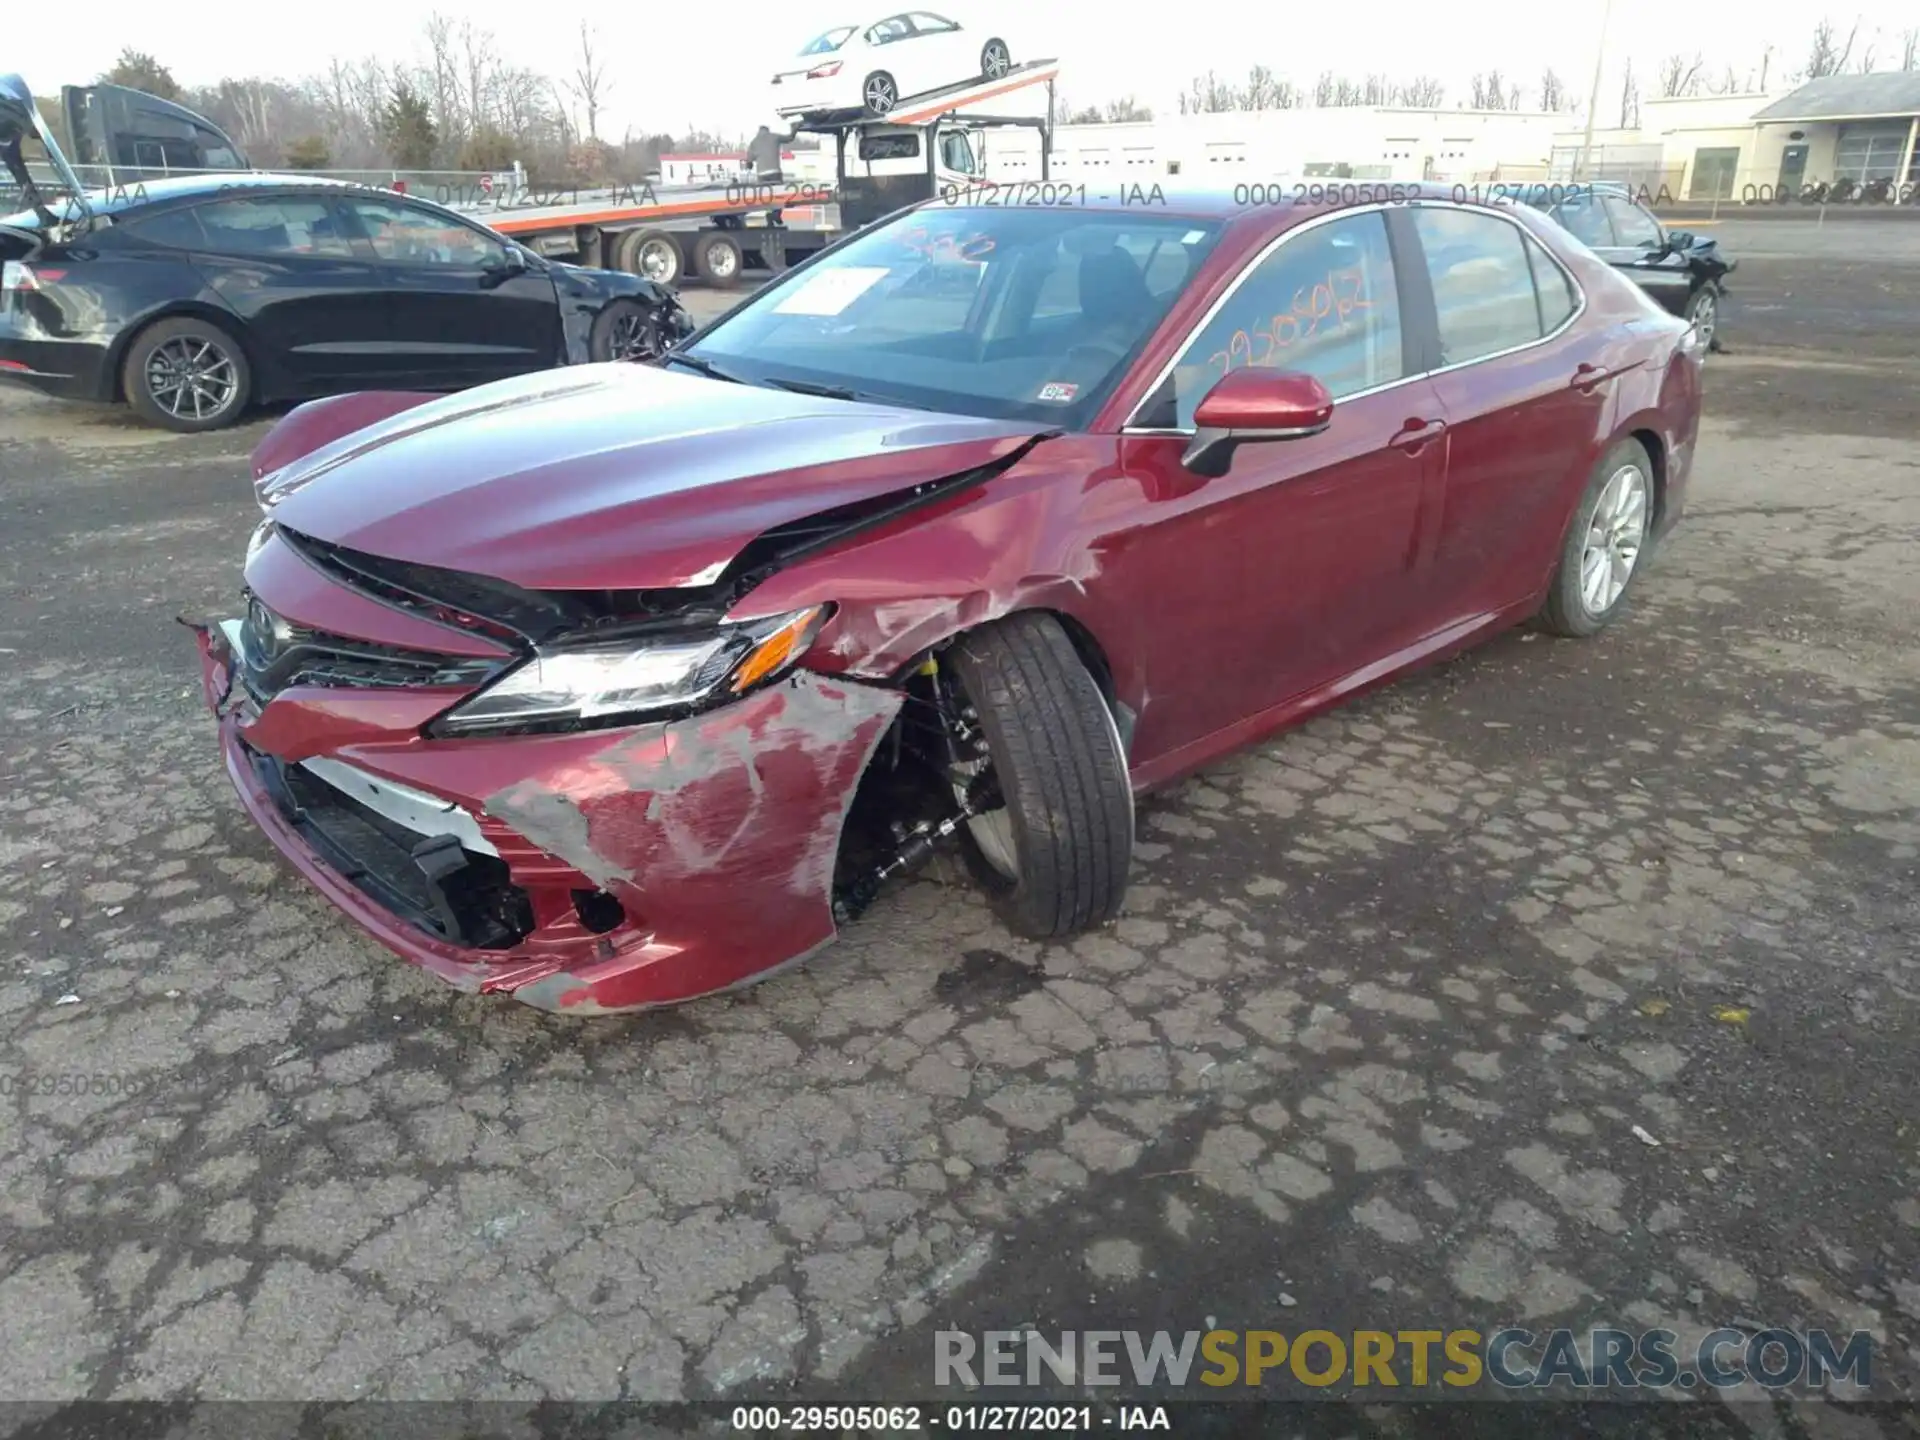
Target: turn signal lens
{"points": [[780, 649]]}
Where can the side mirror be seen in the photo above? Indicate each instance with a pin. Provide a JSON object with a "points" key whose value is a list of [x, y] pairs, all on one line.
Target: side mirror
{"points": [[1251, 406], [510, 262]]}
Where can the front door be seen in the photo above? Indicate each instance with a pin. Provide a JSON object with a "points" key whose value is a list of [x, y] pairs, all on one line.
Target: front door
{"points": [[312, 300], [1793, 170], [1302, 557], [454, 317]]}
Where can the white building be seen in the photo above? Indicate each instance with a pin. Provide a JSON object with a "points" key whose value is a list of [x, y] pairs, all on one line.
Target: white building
{"points": [[1361, 142]]}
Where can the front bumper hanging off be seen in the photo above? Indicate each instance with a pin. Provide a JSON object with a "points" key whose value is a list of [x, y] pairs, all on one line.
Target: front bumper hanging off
{"points": [[588, 873]]}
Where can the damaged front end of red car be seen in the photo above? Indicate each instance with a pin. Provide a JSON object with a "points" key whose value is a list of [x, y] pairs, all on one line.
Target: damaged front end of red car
{"points": [[597, 801]]}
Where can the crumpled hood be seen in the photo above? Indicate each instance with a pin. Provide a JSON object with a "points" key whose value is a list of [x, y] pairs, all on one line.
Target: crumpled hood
{"points": [[612, 476]]}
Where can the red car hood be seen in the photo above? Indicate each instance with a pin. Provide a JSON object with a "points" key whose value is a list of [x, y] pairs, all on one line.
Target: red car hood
{"points": [[610, 476]]}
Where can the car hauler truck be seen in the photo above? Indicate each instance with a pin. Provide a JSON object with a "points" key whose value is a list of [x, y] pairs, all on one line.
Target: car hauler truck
{"points": [[714, 232]]}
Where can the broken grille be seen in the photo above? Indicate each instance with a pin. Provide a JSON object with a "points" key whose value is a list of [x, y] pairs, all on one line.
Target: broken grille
{"points": [[279, 655]]}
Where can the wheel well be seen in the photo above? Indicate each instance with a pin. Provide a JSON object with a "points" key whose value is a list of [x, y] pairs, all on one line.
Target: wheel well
{"points": [[1657, 453], [117, 357]]}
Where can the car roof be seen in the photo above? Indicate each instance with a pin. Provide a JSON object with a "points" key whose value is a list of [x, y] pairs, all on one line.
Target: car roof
{"points": [[138, 194]]}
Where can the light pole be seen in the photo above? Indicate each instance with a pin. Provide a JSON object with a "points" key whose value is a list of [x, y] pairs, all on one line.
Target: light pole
{"points": [[1593, 95]]}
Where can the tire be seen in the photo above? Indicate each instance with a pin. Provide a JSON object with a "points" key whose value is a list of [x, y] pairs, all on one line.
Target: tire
{"points": [[995, 59], [721, 260], [1057, 756], [637, 250], [880, 92], [624, 330], [1572, 608], [185, 342], [1704, 302]]}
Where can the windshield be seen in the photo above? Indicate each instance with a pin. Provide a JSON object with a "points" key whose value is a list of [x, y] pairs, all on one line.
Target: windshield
{"points": [[1012, 314], [828, 43]]}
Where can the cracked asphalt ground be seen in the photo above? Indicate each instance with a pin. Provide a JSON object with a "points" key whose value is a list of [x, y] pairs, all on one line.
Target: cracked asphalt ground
{"points": [[1368, 1049]]}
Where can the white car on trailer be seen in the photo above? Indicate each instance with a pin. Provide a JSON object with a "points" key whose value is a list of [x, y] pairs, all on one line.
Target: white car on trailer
{"points": [[871, 68]]}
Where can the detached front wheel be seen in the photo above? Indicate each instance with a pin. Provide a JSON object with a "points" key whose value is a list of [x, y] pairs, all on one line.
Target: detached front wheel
{"points": [[1054, 846]]}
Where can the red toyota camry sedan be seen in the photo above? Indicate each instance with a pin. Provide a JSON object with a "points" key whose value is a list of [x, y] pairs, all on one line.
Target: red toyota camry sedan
{"points": [[619, 685]]}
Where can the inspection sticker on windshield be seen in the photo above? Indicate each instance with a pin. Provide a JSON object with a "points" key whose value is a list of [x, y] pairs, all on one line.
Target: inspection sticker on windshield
{"points": [[832, 291], [1058, 391]]}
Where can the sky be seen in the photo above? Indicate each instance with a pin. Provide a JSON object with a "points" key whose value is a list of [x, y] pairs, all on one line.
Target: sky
{"points": [[710, 71]]}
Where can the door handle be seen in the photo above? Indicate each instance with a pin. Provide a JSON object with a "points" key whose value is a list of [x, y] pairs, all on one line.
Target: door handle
{"points": [[1588, 378], [1416, 434]]}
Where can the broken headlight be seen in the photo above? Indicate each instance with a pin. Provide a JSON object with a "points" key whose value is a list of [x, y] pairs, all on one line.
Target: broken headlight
{"points": [[589, 686]]}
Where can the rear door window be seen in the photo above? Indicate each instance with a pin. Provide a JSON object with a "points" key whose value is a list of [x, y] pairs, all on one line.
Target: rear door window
{"points": [[1633, 227], [1483, 286], [175, 229], [1583, 219], [288, 225]]}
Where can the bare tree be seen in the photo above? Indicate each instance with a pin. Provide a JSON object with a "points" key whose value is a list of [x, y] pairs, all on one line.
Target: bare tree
{"points": [[1681, 76], [1553, 91], [1126, 109], [1629, 100], [1209, 95], [1910, 49], [1491, 91], [1379, 90], [1866, 60], [1729, 82], [590, 84], [1824, 56], [1423, 92], [1261, 90]]}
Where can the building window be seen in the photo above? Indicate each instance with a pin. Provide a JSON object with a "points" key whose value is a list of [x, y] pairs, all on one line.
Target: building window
{"points": [[1869, 152], [1714, 171]]}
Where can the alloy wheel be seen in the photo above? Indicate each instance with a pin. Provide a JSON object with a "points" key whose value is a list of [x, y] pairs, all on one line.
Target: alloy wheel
{"points": [[633, 338], [1706, 314], [880, 94], [1616, 534], [998, 62], [191, 378]]}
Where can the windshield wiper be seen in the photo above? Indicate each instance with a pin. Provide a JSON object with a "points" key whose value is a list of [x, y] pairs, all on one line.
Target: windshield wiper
{"points": [[705, 367], [837, 392]]}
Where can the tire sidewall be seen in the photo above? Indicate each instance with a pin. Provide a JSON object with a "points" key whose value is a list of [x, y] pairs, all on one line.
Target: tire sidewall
{"points": [[134, 374], [1571, 603]]}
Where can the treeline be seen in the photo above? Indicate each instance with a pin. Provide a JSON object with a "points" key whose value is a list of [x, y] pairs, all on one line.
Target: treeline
{"points": [[464, 106]]}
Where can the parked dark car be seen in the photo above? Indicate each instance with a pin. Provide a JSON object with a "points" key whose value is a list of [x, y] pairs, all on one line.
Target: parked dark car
{"points": [[612, 689], [192, 298], [1685, 272]]}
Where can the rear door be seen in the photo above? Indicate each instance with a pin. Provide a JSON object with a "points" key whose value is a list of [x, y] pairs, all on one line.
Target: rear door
{"points": [[313, 302], [455, 315], [1526, 394]]}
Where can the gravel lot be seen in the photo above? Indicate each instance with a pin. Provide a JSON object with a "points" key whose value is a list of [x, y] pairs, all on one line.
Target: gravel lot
{"points": [[1367, 1051]]}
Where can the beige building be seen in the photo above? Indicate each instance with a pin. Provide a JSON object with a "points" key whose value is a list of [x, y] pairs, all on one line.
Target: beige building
{"points": [[1752, 149]]}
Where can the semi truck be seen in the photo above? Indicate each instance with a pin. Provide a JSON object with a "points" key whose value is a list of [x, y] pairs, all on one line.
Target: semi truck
{"points": [[715, 232]]}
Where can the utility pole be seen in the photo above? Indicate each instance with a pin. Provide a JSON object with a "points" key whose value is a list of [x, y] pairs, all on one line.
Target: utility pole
{"points": [[1593, 95]]}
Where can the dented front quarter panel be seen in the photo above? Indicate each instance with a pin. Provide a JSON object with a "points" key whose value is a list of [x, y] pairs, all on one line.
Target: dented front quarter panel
{"points": [[1040, 537]]}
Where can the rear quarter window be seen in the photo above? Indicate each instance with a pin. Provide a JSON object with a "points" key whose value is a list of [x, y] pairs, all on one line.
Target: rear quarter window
{"points": [[1483, 283], [1558, 297], [175, 229]]}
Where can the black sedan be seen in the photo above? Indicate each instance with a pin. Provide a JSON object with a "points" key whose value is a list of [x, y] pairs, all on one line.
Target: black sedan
{"points": [[1685, 272], [192, 298]]}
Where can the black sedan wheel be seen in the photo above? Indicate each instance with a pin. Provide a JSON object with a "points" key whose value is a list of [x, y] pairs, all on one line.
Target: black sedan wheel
{"points": [[187, 375], [625, 330], [1703, 314]]}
